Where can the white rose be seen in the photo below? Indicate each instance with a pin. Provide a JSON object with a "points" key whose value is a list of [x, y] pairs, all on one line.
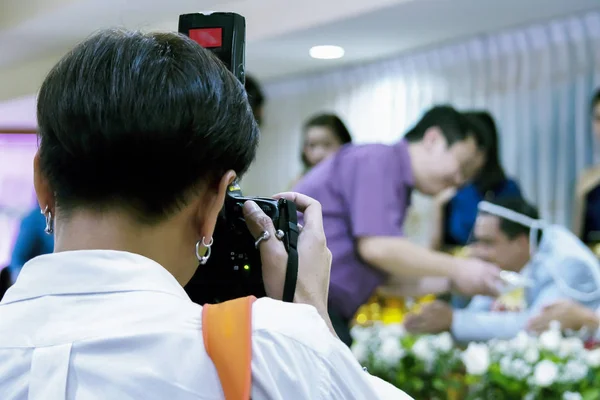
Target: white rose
{"points": [[570, 346], [571, 396], [390, 352], [360, 351], [476, 358], [592, 358], [531, 355], [422, 350], [550, 340], [545, 373], [443, 342]]}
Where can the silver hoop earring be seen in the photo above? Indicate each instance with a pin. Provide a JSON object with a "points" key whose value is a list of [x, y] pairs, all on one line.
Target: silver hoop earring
{"points": [[49, 229], [203, 259]]}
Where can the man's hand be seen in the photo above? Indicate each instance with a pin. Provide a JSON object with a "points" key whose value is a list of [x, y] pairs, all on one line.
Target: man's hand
{"points": [[434, 317], [472, 276], [570, 314]]}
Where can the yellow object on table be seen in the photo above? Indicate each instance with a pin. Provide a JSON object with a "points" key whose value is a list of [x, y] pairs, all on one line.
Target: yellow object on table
{"points": [[389, 310]]}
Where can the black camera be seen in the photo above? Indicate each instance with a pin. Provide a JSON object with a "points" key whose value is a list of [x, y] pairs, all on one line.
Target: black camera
{"points": [[234, 268]]}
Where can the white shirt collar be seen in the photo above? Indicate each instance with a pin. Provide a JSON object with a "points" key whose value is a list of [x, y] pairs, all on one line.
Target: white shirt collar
{"points": [[91, 271]]}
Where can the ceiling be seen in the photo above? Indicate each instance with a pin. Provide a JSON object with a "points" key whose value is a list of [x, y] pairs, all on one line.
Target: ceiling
{"points": [[34, 34]]}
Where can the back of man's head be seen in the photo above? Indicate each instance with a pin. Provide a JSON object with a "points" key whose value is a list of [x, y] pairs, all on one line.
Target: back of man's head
{"points": [[453, 125], [513, 229]]}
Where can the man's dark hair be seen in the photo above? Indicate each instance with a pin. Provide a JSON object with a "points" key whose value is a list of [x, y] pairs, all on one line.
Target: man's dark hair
{"points": [[517, 204], [331, 122], [139, 121], [256, 96], [454, 126], [492, 174]]}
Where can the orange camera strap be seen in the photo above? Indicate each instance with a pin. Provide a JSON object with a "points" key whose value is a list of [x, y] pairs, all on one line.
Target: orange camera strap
{"points": [[227, 332]]}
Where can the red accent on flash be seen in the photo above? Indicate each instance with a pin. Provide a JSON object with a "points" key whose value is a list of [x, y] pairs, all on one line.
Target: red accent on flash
{"points": [[207, 37]]}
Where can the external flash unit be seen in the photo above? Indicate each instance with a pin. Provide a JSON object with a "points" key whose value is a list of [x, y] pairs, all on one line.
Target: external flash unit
{"points": [[222, 33]]}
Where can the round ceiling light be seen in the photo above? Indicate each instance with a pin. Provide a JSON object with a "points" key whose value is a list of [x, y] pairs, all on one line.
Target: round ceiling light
{"points": [[326, 52]]}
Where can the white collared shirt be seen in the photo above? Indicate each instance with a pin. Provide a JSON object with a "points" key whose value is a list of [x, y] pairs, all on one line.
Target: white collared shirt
{"points": [[113, 325]]}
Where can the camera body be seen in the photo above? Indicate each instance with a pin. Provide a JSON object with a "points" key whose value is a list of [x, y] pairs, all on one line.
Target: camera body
{"points": [[234, 268]]}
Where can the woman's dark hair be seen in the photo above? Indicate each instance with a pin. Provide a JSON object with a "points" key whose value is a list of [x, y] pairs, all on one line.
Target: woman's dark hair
{"points": [[256, 96], [492, 174], [331, 122], [138, 121], [595, 99]]}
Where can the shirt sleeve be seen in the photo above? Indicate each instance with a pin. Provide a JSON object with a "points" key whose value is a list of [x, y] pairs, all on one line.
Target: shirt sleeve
{"points": [[298, 357], [376, 196], [475, 324]]}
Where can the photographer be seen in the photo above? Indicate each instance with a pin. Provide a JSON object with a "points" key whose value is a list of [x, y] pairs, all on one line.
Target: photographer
{"points": [[140, 137]]}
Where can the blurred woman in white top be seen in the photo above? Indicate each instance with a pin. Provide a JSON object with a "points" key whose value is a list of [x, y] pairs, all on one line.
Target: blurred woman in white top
{"points": [[140, 135]]}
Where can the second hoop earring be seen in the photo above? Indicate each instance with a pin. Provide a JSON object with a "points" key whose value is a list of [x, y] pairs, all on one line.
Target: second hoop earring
{"points": [[203, 259], [49, 229]]}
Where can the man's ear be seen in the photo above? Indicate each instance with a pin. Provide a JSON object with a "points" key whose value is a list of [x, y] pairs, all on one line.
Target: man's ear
{"points": [[213, 203], [44, 193]]}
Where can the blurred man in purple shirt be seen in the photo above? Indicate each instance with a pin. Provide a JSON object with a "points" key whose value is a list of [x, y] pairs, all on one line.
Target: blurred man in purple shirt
{"points": [[365, 193]]}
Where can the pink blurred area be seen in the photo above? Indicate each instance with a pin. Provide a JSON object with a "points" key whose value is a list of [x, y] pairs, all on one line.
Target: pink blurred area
{"points": [[17, 195]]}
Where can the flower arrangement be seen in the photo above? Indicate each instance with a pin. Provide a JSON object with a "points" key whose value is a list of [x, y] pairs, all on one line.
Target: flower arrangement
{"points": [[426, 367], [433, 367]]}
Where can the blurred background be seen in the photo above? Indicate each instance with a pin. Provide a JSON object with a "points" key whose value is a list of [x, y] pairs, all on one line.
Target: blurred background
{"points": [[533, 64]]}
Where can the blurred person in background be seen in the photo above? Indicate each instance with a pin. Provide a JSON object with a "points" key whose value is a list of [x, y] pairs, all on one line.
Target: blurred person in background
{"points": [[365, 192], [322, 136], [256, 98], [455, 209], [586, 218], [32, 241], [552, 263], [132, 186]]}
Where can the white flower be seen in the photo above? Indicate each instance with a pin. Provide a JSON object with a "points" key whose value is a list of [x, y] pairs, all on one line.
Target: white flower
{"points": [[529, 396], [519, 368], [391, 330], [545, 373], [423, 350], [361, 333], [592, 358], [520, 342], [570, 346], [574, 371], [476, 358], [360, 351], [531, 355], [554, 326], [550, 340], [390, 352], [571, 396], [443, 342]]}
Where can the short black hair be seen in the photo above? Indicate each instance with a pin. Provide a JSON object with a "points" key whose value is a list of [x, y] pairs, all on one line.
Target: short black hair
{"points": [[331, 122], [256, 96], [454, 126], [491, 175], [139, 121], [517, 204]]}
